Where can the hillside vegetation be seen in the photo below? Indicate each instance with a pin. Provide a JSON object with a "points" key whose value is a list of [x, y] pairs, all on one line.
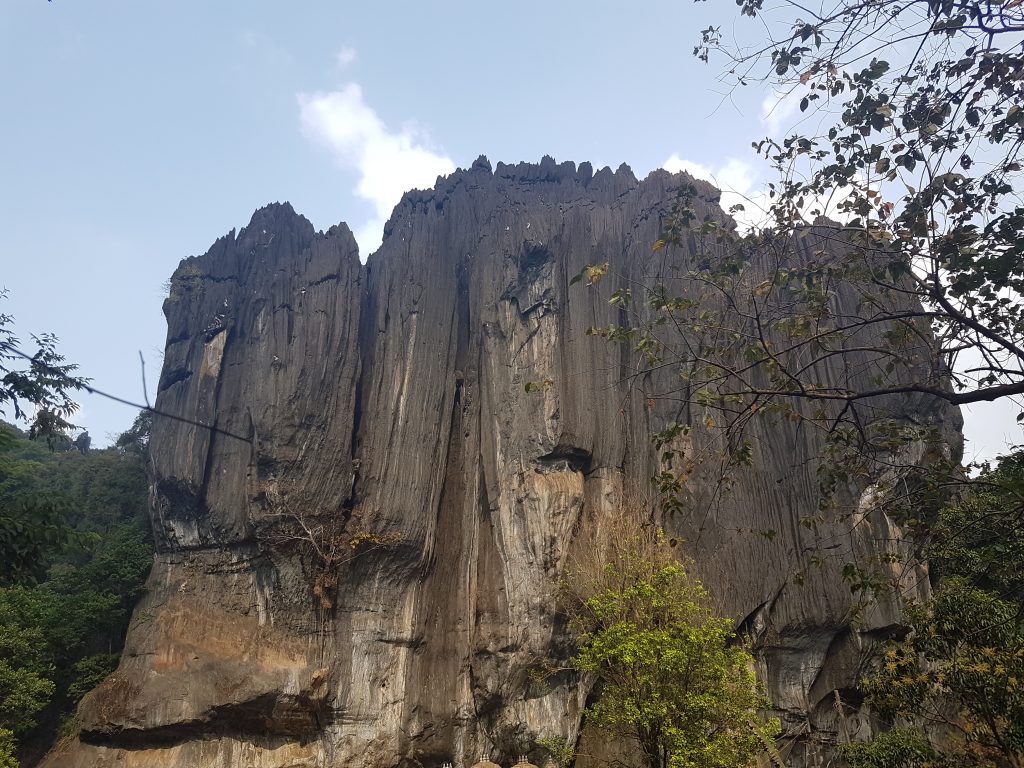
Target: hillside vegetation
{"points": [[64, 615]]}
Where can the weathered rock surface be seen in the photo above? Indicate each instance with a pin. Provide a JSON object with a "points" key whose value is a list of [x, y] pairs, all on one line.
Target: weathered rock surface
{"points": [[356, 567]]}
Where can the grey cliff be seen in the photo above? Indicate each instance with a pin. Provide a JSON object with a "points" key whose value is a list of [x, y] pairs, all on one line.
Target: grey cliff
{"points": [[357, 566]]}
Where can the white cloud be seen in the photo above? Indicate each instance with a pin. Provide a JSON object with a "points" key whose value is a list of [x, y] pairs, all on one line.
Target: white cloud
{"points": [[345, 57], [738, 182], [675, 164], [735, 179], [389, 162]]}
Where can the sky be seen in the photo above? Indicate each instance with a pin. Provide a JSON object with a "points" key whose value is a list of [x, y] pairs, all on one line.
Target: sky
{"points": [[136, 133]]}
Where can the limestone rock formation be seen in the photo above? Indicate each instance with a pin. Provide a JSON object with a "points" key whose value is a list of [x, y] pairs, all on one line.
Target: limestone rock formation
{"points": [[356, 565]]}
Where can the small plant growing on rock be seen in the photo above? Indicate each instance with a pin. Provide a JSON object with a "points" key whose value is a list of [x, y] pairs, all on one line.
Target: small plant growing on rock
{"points": [[561, 753], [326, 540], [185, 279]]}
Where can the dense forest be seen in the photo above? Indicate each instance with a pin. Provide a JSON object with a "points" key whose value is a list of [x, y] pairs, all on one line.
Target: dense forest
{"points": [[66, 596]]}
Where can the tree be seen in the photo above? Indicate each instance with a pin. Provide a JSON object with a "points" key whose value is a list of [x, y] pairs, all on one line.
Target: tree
{"points": [[26, 683], [62, 629], [7, 748], [36, 389], [953, 687], [671, 674], [979, 536], [960, 674], [135, 440], [920, 155], [910, 293], [32, 522], [888, 265], [898, 748]]}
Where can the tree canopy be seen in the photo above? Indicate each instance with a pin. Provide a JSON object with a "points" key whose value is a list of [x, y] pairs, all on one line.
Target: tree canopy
{"points": [[880, 282], [910, 134], [915, 157], [63, 620], [884, 280], [36, 387], [671, 674], [952, 688]]}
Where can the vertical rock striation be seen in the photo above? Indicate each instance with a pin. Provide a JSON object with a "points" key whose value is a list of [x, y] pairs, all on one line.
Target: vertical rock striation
{"points": [[356, 566]]}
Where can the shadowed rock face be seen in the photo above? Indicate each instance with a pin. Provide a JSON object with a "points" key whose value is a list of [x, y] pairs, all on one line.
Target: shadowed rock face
{"points": [[357, 567]]}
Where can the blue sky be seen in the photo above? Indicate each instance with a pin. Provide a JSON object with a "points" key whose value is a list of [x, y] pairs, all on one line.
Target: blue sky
{"points": [[135, 133]]}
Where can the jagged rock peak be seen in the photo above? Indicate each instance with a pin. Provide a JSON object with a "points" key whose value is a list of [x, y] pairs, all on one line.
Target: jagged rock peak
{"points": [[280, 219], [275, 232], [548, 170], [277, 217]]}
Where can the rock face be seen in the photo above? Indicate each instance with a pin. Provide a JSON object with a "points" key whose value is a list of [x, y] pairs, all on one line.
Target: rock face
{"points": [[356, 565]]}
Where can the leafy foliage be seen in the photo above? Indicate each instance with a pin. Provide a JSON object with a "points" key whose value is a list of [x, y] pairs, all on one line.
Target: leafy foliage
{"points": [[7, 749], [958, 675], [61, 635], [32, 521], [980, 537], [898, 748], [35, 387], [559, 751], [25, 685], [88, 672], [961, 668], [135, 440], [885, 279], [671, 674], [920, 157]]}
